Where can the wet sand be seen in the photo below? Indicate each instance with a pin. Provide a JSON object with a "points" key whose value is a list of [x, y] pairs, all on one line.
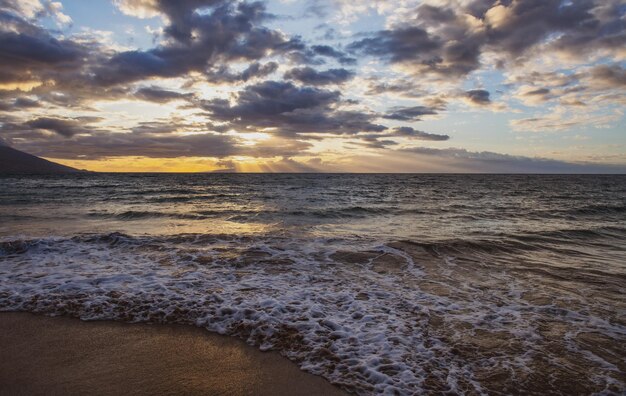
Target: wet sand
{"points": [[64, 356]]}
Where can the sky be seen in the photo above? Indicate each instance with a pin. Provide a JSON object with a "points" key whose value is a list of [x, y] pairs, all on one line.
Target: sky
{"points": [[502, 86]]}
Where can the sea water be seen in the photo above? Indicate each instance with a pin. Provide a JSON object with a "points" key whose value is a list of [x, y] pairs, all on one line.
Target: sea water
{"points": [[392, 284]]}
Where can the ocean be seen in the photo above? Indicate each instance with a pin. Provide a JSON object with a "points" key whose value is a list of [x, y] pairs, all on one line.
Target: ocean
{"points": [[386, 283]]}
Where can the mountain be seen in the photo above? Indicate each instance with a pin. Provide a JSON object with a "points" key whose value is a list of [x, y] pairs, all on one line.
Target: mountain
{"points": [[13, 161]]}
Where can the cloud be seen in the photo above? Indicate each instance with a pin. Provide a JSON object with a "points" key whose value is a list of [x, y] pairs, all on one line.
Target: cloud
{"points": [[449, 40], [464, 161], [330, 52], [33, 9], [418, 135], [106, 144], [409, 113], [608, 76], [478, 97], [561, 119], [289, 110], [31, 54], [308, 75], [533, 96], [155, 94], [283, 165], [537, 92], [238, 74], [454, 53], [253, 71], [62, 126], [25, 103], [270, 99], [199, 42], [403, 87], [17, 104], [25, 50], [387, 138], [139, 8], [154, 140], [589, 96]]}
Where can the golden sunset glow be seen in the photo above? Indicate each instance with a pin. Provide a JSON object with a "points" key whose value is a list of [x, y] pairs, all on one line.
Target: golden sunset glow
{"points": [[24, 86], [143, 164]]}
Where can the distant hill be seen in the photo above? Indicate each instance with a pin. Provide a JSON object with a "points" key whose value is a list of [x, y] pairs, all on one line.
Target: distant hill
{"points": [[13, 161]]}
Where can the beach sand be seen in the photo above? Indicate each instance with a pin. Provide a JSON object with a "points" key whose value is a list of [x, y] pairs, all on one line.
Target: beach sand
{"points": [[65, 356]]}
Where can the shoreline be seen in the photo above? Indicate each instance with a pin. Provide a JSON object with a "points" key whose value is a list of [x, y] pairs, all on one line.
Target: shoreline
{"points": [[62, 355]]}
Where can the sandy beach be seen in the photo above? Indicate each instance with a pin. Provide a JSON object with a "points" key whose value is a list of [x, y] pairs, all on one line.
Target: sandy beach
{"points": [[65, 356]]}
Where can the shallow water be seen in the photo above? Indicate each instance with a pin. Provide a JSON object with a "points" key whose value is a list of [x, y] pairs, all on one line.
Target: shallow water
{"points": [[395, 284]]}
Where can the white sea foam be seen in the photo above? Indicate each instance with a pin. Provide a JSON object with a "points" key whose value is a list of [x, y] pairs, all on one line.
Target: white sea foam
{"points": [[389, 319]]}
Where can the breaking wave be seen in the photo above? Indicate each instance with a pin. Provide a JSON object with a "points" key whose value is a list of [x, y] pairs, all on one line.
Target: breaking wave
{"points": [[399, 317]]}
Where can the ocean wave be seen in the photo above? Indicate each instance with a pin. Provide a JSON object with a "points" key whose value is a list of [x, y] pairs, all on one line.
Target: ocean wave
{"points": [[398, 317], [499, 244], [18, 246], [555, 240], [197, 196], [314, 214], [598, 209], [593, 211], [575, 235], [260, 215], [140, 215]]}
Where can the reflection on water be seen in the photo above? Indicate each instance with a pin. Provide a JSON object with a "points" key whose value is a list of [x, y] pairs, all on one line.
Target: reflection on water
{"points": [[380, 283], [399, 206]]}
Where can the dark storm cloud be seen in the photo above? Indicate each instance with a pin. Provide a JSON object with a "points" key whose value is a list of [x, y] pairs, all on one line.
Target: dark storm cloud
{"points": [[478, 96], [201, 36], [308, 75], [57, 68], [270, 99], [441, 41], [418, 135], [18, 104], [254, 70], [304, 55], [182, 14], [290, 110], [588, 25], [383, 140], [398, 45], [25, 103], [455, 55], [200, 42], [106, 144], [328, 51], [409, 113], [63, 126], [155, 94], [28, 52]]}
